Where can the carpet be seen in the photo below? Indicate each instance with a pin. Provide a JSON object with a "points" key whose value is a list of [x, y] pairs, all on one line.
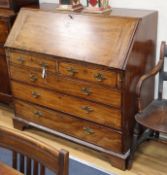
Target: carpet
{"points": [[75, 167]]}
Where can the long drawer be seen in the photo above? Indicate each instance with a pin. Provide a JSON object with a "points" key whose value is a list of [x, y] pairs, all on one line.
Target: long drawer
{"points": [[86, 131], [3, 31], [82, 89], [75, 106]]}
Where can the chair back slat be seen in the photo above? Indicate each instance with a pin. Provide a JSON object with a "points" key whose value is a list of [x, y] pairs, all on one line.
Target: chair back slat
{"points": [[21, 163], [164, 76], [35, 168], [162, 73], [42, 170], [28, 166], [160, 87], [165, 51], [14, 159]]}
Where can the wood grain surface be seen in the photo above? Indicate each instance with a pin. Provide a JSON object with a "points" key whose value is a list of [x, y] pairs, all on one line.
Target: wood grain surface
{"points": [[89, 74], [33, 61], [3, 31], [5, 3]]}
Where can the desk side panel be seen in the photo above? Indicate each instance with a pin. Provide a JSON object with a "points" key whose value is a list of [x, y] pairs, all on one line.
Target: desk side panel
{"points": [[141, 60]]}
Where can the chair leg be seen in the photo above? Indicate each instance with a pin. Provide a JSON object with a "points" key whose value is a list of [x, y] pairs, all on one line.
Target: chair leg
{"points": [[156, 135], [136, 133], [146, 135], [137, 141]]}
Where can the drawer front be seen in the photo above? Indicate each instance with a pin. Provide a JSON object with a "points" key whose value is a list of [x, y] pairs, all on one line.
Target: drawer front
{"points": [[3, 31], [4, 76], [5, 3], [34, 61], [77, 71], [86, 131], [2, 51], [73, 87], [68, 104]]}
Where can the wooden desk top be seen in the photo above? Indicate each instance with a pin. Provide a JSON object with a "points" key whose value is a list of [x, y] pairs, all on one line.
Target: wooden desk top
{"points": [[69, 38], [6, 170]]}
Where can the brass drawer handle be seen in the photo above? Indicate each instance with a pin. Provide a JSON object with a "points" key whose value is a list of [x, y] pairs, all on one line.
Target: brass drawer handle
{"points": [[71, 71], [88, 130], [87, 109], [99, 77], [38, 113], [33, 77], [21, 60], [35, 94], [44, 65], [86, 91]]}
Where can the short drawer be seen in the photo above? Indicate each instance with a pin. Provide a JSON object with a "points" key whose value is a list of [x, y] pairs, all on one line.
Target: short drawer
{"points": [[5, 3], [81, 129], [2, 51], [78, 88], [82, 72], [3, 31], [33, 61], [75, 106], [4, 77]]}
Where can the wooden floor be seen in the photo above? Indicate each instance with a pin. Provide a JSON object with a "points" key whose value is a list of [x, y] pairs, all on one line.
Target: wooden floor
{"points": [[151, 158]]}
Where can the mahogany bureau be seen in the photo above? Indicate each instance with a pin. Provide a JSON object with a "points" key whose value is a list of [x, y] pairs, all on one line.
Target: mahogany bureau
{"points": [[75, 75], [8, 10]]}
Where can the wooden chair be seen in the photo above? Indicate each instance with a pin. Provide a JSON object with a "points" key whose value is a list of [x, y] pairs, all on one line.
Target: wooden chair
{"points": [[34, 156], [154, 117]]}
